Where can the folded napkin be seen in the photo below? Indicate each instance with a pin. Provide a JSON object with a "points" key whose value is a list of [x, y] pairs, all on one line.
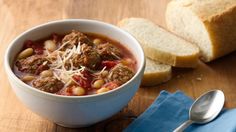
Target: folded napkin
{"points": [[170, 110]]}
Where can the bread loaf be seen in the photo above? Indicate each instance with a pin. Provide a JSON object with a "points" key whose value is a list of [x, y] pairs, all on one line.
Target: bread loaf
{"points": [[211, 24], [160, 45]]}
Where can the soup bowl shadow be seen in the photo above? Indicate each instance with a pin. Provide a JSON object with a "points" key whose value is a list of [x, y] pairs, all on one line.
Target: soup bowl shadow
{"points": [[75, 111]]}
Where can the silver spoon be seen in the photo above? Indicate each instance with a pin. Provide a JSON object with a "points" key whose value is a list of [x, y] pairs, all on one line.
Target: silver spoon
{"points": [[204, 109]]}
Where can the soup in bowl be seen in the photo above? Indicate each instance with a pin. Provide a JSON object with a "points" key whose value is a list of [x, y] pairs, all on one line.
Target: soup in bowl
{"points": [[74, 64], [75, 72]]}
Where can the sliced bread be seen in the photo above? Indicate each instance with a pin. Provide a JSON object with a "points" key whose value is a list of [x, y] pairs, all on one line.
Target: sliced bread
{"points": [[211, 24], [160, 45], [155, 73]]}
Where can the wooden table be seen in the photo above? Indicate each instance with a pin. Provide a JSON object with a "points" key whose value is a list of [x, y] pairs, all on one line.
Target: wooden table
{"points": [[18, 15]]}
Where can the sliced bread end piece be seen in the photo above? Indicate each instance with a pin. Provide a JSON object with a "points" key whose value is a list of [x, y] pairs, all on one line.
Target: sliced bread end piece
{"points": [[155, 73], [161, 45]]}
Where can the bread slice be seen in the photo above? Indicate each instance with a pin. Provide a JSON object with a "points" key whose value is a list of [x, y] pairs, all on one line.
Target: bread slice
{"points": [[160, 45], [155, 73], [211, 24]]}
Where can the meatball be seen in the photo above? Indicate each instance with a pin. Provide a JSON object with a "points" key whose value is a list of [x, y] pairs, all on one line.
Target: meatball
{"points": [[109, 52], [89, 57], [120, 74], [74, 38], [33, 64], [48, 84]]}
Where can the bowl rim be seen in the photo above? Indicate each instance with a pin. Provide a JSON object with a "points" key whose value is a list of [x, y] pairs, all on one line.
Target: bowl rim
{"points": [[11, 74]]}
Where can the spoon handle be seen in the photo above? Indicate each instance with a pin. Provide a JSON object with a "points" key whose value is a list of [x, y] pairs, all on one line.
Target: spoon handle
{"points": [[183, 126]]}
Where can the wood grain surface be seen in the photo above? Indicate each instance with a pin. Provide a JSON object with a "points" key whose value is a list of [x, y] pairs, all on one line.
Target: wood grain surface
{"points": [[18, 15]]}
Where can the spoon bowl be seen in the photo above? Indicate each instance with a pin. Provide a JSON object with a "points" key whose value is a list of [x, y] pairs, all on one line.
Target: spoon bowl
{"points": [[205, 109]]}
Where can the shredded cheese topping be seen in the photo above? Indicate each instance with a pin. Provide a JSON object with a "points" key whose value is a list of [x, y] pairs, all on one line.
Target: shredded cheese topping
{"points": [[62, 65], [60, 59]]}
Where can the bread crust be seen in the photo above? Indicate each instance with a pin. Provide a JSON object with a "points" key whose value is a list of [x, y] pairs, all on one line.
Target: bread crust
{"points": [[222, 32], [155, 73], [155, 78]]}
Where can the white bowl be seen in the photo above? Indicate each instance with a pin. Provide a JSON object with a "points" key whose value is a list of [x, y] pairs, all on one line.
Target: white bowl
{"points": [[75, 111]]}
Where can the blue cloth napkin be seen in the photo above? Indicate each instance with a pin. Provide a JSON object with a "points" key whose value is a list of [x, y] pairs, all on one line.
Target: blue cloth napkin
{"points": [[170, 110]]}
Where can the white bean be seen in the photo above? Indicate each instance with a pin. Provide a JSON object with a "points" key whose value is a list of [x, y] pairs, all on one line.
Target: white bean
{"points": [[65, 77], [46, 73], [25, 53], [102, 90], [78, 91], [104, 73], [70, 82], [50, 45], [97, 41], [27, 78], [98, 83], [127, 61]]}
